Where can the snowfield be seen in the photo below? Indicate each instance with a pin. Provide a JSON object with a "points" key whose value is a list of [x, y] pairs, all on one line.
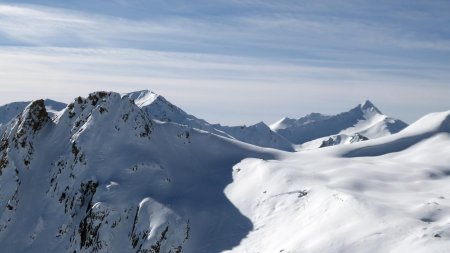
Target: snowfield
{"points": [[324, 201], [134, 173]]}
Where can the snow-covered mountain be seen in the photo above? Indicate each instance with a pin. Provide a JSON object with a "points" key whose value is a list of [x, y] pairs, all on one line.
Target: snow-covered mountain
{"points": [[109, 174], [158, 108], [103, 177], [363, 122]]}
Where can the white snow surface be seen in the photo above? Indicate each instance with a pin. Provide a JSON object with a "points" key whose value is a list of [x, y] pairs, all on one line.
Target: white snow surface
{"points": [[105, 175], [383, 195]]}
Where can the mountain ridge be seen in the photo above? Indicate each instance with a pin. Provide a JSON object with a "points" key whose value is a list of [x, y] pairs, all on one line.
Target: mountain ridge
{"points": [[365, 119], [105, 171], [160, 109]]}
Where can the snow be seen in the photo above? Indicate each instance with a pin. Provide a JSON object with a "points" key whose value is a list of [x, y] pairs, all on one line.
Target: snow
{"points": [[324, 201], [106, 138], [108, 173]]}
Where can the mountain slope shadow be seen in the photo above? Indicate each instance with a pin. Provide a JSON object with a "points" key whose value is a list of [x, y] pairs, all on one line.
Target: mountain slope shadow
{"points": [[103, 177], [198, 171], [182, 169]]}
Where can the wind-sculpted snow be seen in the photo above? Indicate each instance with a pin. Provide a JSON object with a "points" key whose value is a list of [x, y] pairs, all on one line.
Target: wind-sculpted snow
{"points": [[103, 177]]}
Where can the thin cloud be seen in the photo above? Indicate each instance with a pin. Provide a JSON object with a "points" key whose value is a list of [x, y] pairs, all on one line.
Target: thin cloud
{"points": [[53, 26], [46, 26], [279, 59]]}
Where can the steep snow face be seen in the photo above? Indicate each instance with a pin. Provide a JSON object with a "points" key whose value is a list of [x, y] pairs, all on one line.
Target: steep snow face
{"points": [[103, 177], [365, 120], [158, 108], [385, 195]]}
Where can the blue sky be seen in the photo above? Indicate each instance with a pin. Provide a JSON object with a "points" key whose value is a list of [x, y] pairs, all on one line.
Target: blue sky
{"points": [[232, 61]]}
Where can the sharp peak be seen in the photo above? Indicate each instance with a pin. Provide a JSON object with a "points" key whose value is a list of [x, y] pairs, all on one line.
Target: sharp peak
{"points": [[368, 105], [33, 116], [38, 103]]}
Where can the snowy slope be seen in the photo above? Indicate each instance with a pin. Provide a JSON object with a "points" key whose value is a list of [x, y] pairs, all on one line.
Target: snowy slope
{"points": [[364, 120], [390, 194], [103, 177], [158, 108]]}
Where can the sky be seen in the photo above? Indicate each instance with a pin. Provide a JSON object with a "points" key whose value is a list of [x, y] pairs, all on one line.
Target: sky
{"points": [[232, 61]]}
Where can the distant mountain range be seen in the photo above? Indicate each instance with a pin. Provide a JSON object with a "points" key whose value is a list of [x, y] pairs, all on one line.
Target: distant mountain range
{"points": [[315, 130], [363, 122]]}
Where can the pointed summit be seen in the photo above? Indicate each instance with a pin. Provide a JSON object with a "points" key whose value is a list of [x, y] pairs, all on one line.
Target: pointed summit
{"points": [[369, 106], [11, 110], [34, 116], [365, 119]]}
